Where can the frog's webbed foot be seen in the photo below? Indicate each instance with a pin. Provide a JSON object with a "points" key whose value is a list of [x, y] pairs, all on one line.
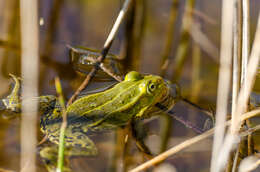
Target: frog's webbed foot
{"points": [[49, 156], [80, 144], [12, 102], [76, 145], [144, 149], [75, 138]]}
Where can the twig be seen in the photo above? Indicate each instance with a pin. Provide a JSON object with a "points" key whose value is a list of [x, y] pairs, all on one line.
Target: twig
{"points": [[130, 35], [195, 73], [139, 32], [224, 79], [166, 121], [30, 61], [204, 42], [48, 44], [188, 124], [161, 157], [204, 17], [170, 36], [235, 162], [172, 151], [210, 114], [249, 131], [182, 49], [104, 51], [63, 125]]}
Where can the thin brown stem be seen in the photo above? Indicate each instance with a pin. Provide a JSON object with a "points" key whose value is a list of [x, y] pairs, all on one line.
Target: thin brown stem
{"points": [[170, 36], [182, 49], [104, 51]]}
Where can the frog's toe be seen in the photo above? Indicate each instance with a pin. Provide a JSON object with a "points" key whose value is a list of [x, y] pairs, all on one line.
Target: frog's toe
{"points": [[49, 157], [81, 151], [12, 101]]}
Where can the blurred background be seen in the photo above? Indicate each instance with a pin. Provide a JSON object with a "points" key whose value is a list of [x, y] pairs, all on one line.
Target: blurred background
{"points": [[149, 41]]}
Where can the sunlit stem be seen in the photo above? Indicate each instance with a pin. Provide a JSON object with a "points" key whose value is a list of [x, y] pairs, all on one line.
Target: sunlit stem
{"points": [[63, 125]]}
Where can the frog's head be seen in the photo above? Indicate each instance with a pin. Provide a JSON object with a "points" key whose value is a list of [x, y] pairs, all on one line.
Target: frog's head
{"points": [[152, 89], [150, 85]]}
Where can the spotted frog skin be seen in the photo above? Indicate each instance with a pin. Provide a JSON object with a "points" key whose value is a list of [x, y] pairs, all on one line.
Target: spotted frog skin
{"points": [[132, 99]]}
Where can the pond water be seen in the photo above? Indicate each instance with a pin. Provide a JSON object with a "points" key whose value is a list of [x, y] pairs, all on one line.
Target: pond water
{"points": [[87, 23]]}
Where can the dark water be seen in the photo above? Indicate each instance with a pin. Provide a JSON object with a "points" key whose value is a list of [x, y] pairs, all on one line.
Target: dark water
{"points": [[87, 23]]}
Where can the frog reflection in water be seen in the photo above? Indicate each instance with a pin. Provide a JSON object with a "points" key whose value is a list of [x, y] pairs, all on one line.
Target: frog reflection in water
{"points": [[132, 99]]}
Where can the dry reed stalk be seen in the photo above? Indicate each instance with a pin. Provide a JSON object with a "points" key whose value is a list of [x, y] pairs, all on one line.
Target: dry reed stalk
{"points": [[161, 157], [235, 161], [251, 73], [245, 54], [118, 21], [237, 29], [30, 56], [236, 53], [243, 97], [245, 39], [224, 79]]}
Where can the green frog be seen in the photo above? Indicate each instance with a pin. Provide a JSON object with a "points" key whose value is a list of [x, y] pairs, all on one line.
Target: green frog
{"points": [[134, 98]]}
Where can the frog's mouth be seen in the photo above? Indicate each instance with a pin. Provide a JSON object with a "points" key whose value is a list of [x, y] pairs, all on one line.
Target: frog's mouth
{"points": [[171, 97], [168, 102]]}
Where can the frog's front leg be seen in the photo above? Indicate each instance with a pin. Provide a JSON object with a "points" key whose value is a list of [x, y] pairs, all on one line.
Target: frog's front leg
{"points": [[139, 133], [79, 143]]}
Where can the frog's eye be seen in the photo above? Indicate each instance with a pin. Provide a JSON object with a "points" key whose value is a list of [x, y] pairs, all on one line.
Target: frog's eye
{"points": [[151, 88]]}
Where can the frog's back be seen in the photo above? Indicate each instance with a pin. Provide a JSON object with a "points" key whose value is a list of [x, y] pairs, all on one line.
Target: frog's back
{"points": [[51, 116], [118, 105]]}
